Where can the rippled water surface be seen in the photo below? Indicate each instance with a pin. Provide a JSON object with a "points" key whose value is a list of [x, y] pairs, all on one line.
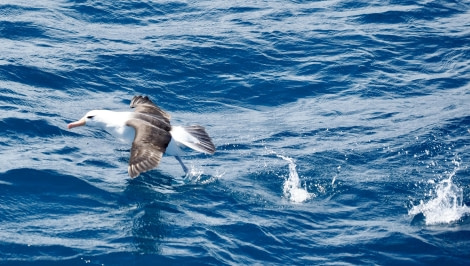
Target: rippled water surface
{"points": [[342, 131]]}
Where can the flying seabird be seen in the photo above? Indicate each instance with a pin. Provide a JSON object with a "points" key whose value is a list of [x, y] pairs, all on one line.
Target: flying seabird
{"points": [[148, 129]]}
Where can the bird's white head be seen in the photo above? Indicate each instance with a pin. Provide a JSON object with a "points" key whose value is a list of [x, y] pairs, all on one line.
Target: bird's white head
{"points": [[94, 118]]}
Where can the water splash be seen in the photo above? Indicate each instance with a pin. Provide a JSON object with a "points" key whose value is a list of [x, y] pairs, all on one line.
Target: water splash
{"points": [[292, 188], [196, 176], [446, 205]]}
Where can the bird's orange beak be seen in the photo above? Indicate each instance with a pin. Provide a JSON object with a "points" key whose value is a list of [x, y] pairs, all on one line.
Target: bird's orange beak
{"points": [[78, 123]]}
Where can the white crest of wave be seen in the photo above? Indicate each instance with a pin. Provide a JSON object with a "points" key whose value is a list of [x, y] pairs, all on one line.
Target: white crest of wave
{"points": [[292, 188], [446, 206]]}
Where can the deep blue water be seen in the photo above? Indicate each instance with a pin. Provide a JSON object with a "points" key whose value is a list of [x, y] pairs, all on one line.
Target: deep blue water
{"points": [[342, 131]]}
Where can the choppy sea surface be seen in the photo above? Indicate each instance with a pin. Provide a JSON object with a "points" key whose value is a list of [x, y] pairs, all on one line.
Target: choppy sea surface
{"points": [[342, 131]]}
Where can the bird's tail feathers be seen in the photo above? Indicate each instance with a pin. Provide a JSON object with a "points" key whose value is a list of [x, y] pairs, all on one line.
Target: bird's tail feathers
{"points": [[194, 137]]}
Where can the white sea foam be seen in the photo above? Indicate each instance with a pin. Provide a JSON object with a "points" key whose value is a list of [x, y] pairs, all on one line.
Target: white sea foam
{"points": [[196, 175], [446, 205], [292, 188]]}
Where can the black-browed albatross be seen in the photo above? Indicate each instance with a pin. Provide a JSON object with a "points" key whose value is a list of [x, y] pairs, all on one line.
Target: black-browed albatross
{"points": [[148, 129]]}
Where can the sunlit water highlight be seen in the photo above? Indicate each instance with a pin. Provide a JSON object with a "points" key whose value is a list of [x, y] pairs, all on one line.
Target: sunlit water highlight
{"points": [[366, 101]]}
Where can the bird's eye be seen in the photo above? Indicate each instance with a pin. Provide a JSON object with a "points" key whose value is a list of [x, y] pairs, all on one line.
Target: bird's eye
{"points": [[90, 116]]}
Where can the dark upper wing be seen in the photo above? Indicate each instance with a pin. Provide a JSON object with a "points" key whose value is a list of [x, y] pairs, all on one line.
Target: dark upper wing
{"points": [[149, 144], [144, 105]]}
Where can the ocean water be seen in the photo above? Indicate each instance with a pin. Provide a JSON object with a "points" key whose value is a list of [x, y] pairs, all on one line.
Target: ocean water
{"points": [[342, 131]]}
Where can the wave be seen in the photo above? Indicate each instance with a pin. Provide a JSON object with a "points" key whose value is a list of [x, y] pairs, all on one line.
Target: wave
{"points": [[31, 128]]}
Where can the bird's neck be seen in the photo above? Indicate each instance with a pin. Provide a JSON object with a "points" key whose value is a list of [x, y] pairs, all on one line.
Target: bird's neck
{"points": [[115, 124]]}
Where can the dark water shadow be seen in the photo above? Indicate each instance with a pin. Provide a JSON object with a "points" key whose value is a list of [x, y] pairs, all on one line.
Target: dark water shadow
{"points": [[147, 194]]}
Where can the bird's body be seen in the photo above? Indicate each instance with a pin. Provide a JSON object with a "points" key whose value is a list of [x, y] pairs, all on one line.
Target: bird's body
{"points": [[148, 129]]}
